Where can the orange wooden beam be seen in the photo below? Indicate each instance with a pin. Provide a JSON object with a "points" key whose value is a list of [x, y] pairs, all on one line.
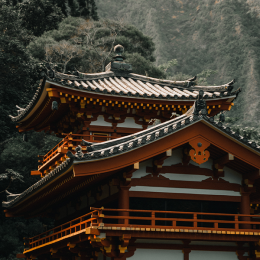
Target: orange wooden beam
{"points": [[36, 173], [200, 129]]}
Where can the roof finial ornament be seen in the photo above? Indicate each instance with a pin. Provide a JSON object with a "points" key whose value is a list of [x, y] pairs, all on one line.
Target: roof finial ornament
{"points": [[118, 61], [118, 49], [200, 105]]}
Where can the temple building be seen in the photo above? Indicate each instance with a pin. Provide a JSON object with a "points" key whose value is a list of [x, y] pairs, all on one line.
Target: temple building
{"points": [[120, 186]]}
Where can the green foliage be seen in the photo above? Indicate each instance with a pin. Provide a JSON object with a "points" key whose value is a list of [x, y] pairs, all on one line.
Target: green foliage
{"points": [[18, 72], [93, 10], [87, 9], [73, 5], [62, 5], [168, 65], [39, 16], [179, 76], [96, 40], [143, 66], [22, 157], [203, 76], [11, 175], [12, 232]]}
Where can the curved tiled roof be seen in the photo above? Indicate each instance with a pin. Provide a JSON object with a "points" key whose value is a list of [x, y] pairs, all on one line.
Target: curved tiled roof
{"points": [[124, 144], [36, 186], [130, 85]]}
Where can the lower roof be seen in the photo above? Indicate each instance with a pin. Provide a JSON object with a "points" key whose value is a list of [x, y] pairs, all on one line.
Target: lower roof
{"points": [[108, 150]]}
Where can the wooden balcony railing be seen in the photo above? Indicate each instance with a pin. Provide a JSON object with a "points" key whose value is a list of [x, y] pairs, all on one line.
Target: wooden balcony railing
{"points": [[66, 229], [69, 142], [153, 220]]}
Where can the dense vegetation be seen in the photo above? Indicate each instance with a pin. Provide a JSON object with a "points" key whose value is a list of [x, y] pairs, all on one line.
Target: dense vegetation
{"points": [[33, 33]]}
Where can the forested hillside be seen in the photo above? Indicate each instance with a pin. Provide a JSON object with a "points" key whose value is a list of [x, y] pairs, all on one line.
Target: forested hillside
{"points": [[221, 35]]}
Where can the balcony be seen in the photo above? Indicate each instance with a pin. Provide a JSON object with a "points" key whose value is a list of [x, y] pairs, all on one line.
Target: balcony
{"points": [[58, 153], [132, 221]]}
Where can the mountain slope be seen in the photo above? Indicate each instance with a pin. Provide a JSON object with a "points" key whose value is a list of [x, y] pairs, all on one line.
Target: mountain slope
{"points": [[221, 35]]}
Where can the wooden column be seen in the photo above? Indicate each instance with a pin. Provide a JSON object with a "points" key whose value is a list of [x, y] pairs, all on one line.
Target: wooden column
{"points": [[123, 202], [186, 252], [245, 208], [186, 249]]}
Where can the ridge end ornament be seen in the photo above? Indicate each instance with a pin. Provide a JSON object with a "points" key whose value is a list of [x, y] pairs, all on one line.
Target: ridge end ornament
{"points": [[199, 154], [200, 105]]}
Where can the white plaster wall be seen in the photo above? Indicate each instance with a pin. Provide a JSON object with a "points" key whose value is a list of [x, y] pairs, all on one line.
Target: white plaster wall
{"points": [[100, 122], [213, 243], [185, 177], [185, 191], [212, 255], [175, 158], [130, 123], [141, 172], [232, 176], [156, 254], [159, 241]]}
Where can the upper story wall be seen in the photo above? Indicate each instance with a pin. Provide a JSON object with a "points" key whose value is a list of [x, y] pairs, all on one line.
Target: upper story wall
{"points": [[191, 181]]}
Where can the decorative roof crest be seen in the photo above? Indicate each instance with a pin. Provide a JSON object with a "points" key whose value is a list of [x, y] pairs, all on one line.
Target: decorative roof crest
{"points": [[200, 105]]}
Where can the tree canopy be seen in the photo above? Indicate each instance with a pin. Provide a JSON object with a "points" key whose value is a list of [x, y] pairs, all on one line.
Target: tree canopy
{"points": [[18, 72], [96, 40], [39, 16]]}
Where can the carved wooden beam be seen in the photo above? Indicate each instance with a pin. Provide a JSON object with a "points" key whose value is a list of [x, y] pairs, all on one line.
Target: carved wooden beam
{"points": [[185, 156], [252, 176], [158, 161], [222, 161]]}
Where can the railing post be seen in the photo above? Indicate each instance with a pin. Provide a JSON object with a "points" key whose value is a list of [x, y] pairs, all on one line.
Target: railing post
{"points": [[153, 218], [236, 223], [195, 223], [100, 217], [216, 225], [245, 208], [123, 203]]}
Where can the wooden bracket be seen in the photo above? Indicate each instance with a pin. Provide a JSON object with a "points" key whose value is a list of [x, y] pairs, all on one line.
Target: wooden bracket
{"points": [[113, 247], [53, 250], [127, 175], [219, 164], [222, 161], [70, 245], [254, 175], [159, 160], [185, 157]]}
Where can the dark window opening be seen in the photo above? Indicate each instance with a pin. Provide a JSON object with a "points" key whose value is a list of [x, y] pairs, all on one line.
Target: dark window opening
{"points": [[183, 206]]}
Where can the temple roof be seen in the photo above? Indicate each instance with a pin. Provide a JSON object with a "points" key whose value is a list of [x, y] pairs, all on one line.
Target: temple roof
{"points": [[123, 84], [123, 145]]}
